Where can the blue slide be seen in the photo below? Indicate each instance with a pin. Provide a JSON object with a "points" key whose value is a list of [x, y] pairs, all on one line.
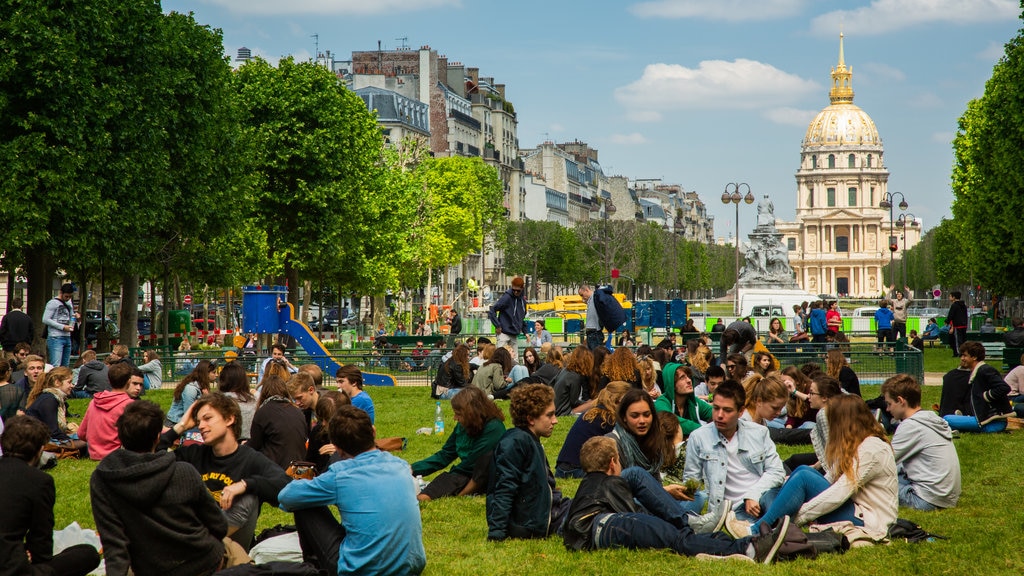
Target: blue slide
{"points": [[315, 348]]}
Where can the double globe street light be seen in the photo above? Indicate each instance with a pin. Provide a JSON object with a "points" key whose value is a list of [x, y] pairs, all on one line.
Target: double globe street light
{"points": [[732, 194], [887, 204]]}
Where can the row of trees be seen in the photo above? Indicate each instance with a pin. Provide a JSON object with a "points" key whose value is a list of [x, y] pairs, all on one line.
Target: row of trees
{"points": [[130, 149]]}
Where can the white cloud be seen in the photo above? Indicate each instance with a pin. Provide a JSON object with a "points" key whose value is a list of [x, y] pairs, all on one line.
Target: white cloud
{"points": [[943, 137], [730, 10], [790, 116], [632, 139], [883, 72], [714, 84], [883, 16], [334, 7]]}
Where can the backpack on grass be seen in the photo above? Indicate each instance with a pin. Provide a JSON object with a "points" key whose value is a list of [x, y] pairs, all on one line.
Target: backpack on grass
{"points": [[904, 529]]}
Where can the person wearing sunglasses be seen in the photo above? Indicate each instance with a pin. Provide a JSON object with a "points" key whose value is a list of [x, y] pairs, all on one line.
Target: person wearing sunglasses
{"points": [[507, 314]]}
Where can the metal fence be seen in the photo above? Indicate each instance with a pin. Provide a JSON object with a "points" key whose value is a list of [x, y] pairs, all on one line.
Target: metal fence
{"points": [[872, 362]]}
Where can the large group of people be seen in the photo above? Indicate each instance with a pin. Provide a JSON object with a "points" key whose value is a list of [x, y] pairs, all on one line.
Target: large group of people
{"points": [[675, 447]]}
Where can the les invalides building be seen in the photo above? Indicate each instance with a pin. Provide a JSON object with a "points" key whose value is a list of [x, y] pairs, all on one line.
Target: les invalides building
{"points": [[840, 241]]}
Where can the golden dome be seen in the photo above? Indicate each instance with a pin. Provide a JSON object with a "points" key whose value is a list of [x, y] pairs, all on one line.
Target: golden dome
{"points": [[842, 123]]}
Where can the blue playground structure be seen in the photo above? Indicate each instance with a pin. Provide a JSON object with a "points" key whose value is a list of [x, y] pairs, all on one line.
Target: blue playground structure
{"points": [[265, 310]]}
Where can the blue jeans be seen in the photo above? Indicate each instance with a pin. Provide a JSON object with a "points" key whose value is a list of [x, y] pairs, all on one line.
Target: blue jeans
{"points": [[765, 501], [59, 350], [650, 494], [970, 424], [803, 485], [908, 499], [665, 525]]}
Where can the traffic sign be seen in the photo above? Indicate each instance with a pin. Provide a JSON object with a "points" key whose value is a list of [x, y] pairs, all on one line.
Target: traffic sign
{"points": [[187, 300]]}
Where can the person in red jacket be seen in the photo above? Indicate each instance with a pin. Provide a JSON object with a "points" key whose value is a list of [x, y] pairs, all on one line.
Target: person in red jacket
{"points": [[99, 425]]}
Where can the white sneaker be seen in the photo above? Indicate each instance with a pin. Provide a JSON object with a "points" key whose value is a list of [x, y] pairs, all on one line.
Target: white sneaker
{"points": [[711, 522], [735, 527], [739, 557]]}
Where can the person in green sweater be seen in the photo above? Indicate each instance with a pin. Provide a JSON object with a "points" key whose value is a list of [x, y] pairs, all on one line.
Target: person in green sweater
{"points": [[479, 426], [680, 400]]}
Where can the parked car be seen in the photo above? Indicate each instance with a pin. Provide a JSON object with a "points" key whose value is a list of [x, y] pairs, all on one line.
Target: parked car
{"points": [[927, 312], [331, 321], [93, 320], [865, 311]]}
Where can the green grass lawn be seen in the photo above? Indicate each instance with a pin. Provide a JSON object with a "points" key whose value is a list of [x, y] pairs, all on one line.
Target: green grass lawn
{"points": [[982, 530]]}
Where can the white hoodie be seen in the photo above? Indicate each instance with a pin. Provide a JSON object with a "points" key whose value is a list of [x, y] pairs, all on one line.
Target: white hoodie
{"points": [[923, 445]]}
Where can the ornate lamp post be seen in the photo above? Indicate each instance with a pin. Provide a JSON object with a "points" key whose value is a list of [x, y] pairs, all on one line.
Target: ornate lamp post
{"points": [[732, 194], [887, 203], [907, 219]]}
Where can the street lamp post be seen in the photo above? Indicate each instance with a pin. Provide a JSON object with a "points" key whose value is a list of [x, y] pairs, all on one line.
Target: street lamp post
{"points": [[887, 203], [732, 194], [903, 221]]}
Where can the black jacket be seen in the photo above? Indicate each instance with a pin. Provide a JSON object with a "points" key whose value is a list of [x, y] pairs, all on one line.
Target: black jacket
{"points": [[989, 394], [456, 324], [571, 390], [522, 501], [957, 314], [16, 327], [155, 515], [1015, 337], [27, 520], [598, 493]]}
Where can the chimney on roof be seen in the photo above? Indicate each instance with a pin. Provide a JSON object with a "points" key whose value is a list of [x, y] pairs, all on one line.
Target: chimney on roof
{"points": [[501, 90]]}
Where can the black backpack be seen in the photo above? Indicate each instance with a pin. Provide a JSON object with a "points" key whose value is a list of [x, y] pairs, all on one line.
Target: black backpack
{"points": [[904, 529]]}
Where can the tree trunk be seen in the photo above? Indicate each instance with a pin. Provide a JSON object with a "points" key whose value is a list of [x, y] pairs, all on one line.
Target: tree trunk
{"points": [[39, 275], [129, 317], [307, 296]]}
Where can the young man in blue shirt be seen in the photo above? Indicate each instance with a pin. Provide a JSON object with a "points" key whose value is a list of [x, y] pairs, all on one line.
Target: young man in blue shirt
{"points": [[380, 531], [350, 381]]}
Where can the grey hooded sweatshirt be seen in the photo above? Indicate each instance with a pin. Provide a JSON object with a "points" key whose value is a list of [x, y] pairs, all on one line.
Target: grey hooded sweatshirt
{"points": [[923, 445]]}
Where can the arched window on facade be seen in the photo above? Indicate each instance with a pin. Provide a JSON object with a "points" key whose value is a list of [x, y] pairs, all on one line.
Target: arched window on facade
{"points": [[831, 160], [851, 162]]}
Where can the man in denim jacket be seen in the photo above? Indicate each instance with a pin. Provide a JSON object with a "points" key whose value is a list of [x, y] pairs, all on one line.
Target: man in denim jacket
{"points": [[736, 459]]}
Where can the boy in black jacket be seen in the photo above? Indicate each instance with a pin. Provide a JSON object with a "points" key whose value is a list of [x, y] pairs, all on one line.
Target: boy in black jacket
{"points": [[604, 514]]}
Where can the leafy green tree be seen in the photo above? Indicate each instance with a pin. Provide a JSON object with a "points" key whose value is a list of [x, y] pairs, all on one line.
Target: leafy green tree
{"points": [[315, 152], [988, 176]]}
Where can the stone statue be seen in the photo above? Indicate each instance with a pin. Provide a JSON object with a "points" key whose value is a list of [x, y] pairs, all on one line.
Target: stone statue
{"points": [[766, 213]]}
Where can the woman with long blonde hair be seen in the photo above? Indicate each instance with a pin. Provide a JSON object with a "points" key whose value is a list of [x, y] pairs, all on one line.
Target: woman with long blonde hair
{"points": [[861, 483], [648, 376]]}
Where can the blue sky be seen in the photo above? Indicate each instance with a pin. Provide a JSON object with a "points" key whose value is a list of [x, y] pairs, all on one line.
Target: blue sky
{"points": [[697, 92]]}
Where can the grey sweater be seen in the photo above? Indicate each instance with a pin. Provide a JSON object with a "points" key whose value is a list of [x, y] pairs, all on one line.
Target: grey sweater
{"points": [[923, 446]]}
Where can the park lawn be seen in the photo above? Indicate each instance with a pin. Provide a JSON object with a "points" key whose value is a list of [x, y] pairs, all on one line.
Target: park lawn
{"points": [[982, 530]]}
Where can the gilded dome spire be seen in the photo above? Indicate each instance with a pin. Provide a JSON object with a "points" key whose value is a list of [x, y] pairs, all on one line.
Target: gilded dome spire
{"points": [[842, 89]]}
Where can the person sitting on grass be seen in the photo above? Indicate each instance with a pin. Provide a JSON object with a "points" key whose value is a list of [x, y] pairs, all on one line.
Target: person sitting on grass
{"points": [[319, 449], [479, 426], [239, 478], [48, 404], [278, 428], [380, 530], [860, 486], [26, 525], [766, 398], [350, 381], [522, 500], [598, 421], [926, 460], [153, 514], [99, 425], [680, 399], [734, 458], [988, 403], [494, 375], [615, 510]]}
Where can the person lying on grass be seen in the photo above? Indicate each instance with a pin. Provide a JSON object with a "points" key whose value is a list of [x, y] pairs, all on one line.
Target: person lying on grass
{"points": [[613, 509]]}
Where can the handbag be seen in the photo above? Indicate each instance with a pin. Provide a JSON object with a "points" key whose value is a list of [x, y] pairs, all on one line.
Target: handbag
{"points": [[301, 470]]}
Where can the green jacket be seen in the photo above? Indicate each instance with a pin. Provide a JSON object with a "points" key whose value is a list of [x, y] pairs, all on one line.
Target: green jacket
{"points": [[694, 410], [464, 447]]}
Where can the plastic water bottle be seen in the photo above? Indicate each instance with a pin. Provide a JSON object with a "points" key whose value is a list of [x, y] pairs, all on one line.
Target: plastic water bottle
{"points": [[438, 420]]}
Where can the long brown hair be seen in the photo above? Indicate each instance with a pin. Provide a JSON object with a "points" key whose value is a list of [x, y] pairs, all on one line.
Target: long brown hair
{"points": [[701, 357], [200, 375], [850, 422], [600, 353], [797, 407], [620, 365], [475, 410], [460, 356], [834, 362], [49, 380]]}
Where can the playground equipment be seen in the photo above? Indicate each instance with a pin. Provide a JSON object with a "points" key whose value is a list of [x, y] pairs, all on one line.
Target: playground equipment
{"points": [[265, 310]]}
